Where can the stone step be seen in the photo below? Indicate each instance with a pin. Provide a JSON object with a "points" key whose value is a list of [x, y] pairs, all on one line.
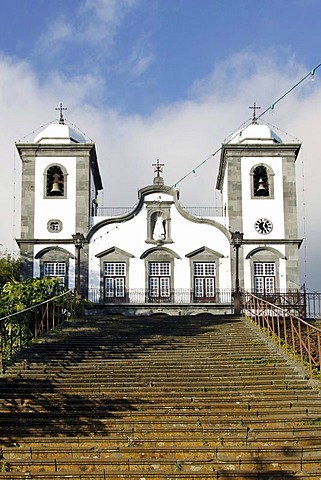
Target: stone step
{"points": [[165, 466], [222, 475], [158, 398]]}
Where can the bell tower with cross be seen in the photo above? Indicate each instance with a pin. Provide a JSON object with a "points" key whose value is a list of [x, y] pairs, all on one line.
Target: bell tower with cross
{"points": [[60, 184], [257, 179]]}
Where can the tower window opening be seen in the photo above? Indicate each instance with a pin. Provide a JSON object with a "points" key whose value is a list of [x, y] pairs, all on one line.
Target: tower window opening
{"points": [[55, 182], [261, 182]]}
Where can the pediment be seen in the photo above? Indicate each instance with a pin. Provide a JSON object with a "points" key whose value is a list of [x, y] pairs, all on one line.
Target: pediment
{"points": [[205, 250], [112, 250]]}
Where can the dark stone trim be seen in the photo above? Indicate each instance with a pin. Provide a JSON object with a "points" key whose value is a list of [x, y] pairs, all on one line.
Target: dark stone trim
{"points": [[204, 250], [114, 250], [46, 241], [270, 249], [163, 249], [253, 149], [273, 241], [157, 189], [50, 249]]}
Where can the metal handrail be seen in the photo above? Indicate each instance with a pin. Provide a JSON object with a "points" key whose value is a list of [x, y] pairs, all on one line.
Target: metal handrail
{"points": [[300, 339], [19, 329]]}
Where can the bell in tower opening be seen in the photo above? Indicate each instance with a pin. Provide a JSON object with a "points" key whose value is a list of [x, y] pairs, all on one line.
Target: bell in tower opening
{"points": [[260, 182], [55, 182]]}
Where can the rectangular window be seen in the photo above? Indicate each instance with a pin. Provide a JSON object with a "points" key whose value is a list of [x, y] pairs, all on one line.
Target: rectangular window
{"points": [[204, 280], [114, 269], [114, 279], [159, 268], [55, 269], [114, 287], [264, 277], [159, 280]]}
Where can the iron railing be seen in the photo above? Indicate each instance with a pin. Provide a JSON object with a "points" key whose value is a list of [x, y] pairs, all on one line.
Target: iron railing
{"points": [[19, 329], [300, 339], [196, 211], [144, 296], [306, 305], [312, 302]]}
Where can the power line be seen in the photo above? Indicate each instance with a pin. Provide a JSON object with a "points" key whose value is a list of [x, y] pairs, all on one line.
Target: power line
{"points": [[271, 107]]}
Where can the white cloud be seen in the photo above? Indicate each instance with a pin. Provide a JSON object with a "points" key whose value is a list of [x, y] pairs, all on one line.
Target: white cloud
{"points": [[181, 135], [140, 63], [95, 22]]}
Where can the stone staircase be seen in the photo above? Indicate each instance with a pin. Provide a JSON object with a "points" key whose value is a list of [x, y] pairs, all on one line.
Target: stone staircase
{"points": [[158, 398]]}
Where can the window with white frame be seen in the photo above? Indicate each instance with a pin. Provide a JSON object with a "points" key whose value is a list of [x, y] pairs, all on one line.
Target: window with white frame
{"points": [[159, 279], [204, 279], [114, 279], [55, 269], [264, 277]]}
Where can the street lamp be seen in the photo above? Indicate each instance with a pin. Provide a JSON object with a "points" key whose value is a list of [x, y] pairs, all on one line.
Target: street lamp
{"points": [[237, 238], [79, 242]]}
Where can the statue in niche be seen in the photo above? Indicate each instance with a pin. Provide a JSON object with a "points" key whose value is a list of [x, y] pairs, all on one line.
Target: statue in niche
{"points": [[159, 226]]}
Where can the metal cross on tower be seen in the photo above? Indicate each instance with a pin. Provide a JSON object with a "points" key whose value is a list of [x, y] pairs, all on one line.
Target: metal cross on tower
{"points": [[61, 119], [158, 167], [254, 108]]}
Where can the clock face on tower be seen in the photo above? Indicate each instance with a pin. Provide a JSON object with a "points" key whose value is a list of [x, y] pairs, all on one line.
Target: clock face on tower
{"points": [[263, 226]]}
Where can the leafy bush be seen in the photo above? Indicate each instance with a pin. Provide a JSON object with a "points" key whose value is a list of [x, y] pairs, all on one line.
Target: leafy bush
{"points": [[16, 296], [9, 269]]}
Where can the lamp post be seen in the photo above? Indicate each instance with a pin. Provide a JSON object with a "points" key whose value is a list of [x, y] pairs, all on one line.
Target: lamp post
{"points": [[79, 241], [237, 238]]}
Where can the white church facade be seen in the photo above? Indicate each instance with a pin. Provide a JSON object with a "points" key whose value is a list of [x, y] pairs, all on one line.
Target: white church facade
{"points": [[158, 252]]}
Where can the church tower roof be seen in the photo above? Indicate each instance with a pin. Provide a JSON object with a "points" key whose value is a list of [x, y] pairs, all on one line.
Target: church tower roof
{"points": [[255, 133], [59, 133]]}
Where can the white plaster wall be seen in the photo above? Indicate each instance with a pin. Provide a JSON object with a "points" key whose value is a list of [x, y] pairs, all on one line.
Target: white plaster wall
{"points": [[36, 268], [187, 236], [63, 209], [253, 209], [282, 278]]}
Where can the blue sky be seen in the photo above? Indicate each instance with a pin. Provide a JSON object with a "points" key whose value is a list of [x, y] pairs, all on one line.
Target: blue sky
{"points": [[168, 79], [148, 53]]}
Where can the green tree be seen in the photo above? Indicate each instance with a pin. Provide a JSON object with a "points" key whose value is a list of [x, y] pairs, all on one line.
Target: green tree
{"points": [[9, 269]]}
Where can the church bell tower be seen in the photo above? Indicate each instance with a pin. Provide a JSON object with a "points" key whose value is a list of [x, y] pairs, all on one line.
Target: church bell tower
{"points": [[60, 183], [258, 184]]}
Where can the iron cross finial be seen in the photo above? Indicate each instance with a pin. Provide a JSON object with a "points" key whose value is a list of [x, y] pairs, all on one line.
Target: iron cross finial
{"points": [[158, 167], [61, 119], [254, 108]]}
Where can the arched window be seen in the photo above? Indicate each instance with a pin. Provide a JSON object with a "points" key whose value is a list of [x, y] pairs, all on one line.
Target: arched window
{"points": [[262, 182], [55, 182], [54, 262]]}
